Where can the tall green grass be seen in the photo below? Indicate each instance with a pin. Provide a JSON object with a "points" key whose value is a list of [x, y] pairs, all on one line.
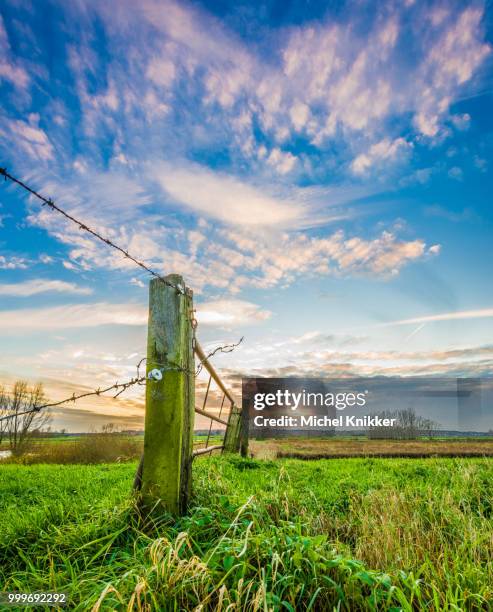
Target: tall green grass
{"points": [[358, 534]]}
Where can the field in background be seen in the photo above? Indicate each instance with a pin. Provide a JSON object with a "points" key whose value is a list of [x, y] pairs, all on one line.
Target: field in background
{"points": [[89, 449], [114, 447], [361, 534], [318, 448]]}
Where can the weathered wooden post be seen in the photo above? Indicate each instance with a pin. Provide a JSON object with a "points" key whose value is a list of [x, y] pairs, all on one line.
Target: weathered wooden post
{"points": [[168, 436], [247, 393], [244, 430], [232, 434]]}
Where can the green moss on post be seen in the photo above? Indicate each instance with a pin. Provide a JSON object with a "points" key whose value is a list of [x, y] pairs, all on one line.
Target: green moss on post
{"points": [[168, 438]]}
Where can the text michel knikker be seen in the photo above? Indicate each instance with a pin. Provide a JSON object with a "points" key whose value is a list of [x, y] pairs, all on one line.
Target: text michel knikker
{"points": [[334, 401]]}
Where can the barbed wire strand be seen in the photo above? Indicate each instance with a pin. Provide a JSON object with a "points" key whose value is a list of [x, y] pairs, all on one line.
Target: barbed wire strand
{"points": [[224, 348], [119, 387], [51, 204], [122, 387]]}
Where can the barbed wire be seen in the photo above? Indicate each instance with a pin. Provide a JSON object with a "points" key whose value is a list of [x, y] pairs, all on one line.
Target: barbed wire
{"points": [[119, 387], [82, 226], [122, 387], [225, 348]]}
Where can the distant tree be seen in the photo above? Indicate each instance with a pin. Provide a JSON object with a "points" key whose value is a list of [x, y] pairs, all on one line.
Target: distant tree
{"points": [[110, 428], [20, 428], [408, 426]]}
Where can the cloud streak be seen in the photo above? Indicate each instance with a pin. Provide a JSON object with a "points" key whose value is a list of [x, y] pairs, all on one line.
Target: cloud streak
{"points": [[218, 313], [71, 316], [231, 313], [34, 287], [446, 316], [225, 198]]}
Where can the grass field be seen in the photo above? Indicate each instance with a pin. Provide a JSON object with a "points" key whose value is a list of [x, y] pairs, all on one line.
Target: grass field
{"points": [[317, 448], [353, 534], [110, 447]]}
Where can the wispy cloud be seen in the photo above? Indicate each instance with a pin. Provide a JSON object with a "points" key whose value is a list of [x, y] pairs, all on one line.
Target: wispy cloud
{"points": [[455, 216], [13, 263], [34, 287], [230, 313], [219, 313], [384, 151], [446, 316], [71, 316], [224, 197], [10, 69], [29, 137]]}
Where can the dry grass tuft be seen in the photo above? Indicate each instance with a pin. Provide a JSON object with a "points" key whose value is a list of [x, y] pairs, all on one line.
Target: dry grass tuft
{"points": [[91, 448]]}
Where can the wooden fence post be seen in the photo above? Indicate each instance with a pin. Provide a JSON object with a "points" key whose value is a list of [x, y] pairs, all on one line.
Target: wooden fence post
{"points": [[169, 418], [232, 434], [244, 431]]}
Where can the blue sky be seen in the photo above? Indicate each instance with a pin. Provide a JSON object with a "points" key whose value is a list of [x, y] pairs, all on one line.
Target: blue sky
{"points": [[320, 173]]}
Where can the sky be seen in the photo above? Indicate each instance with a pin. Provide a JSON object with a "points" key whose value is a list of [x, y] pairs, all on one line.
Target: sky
{"points": [[319, 172]]}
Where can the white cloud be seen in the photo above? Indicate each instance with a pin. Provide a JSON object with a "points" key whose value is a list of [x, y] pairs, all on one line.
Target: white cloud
{"points": [[467, 214], [456, 173], [71, 316], [161, 71], [336, 71], [266, 261], [224, 197], [34, 287], [30, 138], [101, 199], [230, 313], [452, 60], [282, 161], [299, 114], [427, 123], [446, 316], [10, 70], [461, 122], [68, 265], [480, 163], [13, 263], [288, 358], [384, 150], [154, 106], [254, 249]]}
